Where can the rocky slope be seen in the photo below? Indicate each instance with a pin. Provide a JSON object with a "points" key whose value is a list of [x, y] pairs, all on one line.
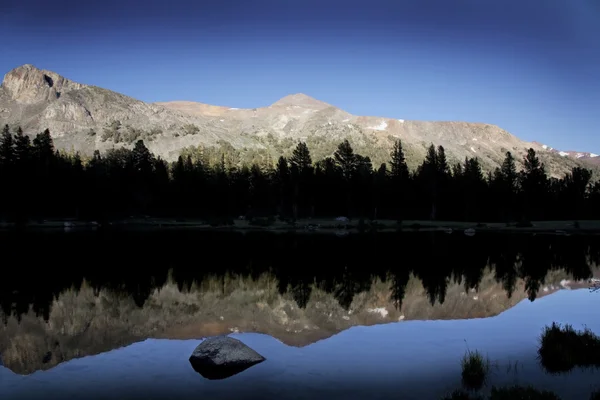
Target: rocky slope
{"points": [[85, 118]]}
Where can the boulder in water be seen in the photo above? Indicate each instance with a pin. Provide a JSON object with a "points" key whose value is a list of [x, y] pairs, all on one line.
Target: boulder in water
{"points": [[220, 357]]}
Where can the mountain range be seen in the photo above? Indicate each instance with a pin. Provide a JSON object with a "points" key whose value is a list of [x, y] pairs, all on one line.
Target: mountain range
{"points": [[86, 118]]}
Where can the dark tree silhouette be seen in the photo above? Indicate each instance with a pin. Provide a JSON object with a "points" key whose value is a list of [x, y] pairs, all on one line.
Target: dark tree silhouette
{"points": [[576, 189], [301, 157], [534, 183], [348, 164], [213, 184], [302, 171], [7, 148], [399, 180], [474, 189], [282, 184], [504, 187]]}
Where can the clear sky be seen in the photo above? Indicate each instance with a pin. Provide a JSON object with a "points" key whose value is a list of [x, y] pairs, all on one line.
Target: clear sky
{"points": [[530, 66]]}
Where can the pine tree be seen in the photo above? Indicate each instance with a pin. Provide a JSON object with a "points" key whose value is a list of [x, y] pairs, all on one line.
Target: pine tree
{"points": [[142, 159], [7, 149], [507, 180], [43, 147], [441, 163], [282, 181], [429, 177], [399, 180], [442, 183], [474, 188], [509, 172], [577, 186], [346, 159], [534, 182], [301, 157], [22, 147], [431, 157], [399, 168]]}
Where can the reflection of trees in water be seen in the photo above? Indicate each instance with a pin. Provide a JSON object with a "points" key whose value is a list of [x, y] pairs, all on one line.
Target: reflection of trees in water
{"points": [[474, 261], [348, 283], [301, 292], [593, 253], [575, 256], [398, 281], [137, 264], [433, 266], [505, 262], [535, 263]]}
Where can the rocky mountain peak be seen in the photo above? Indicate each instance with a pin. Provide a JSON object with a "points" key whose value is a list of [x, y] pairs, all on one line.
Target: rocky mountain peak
{"points": [[301, 100], [28, 98], [28, 84]]}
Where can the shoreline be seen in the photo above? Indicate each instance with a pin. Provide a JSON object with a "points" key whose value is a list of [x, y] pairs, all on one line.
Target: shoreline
{"points": [[315, 226]]}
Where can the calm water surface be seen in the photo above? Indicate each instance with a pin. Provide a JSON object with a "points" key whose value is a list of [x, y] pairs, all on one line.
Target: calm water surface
{"points": [[116, 315]]}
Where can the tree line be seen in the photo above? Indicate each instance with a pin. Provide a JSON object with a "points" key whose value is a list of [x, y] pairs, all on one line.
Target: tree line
{"points": [[39, 182]]}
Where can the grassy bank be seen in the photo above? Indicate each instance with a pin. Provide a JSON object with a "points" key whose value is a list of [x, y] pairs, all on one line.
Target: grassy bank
{"points": [[323, 225]]}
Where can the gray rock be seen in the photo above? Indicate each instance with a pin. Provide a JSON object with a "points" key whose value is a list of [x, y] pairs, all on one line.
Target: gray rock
{"points": [[220, 357]]}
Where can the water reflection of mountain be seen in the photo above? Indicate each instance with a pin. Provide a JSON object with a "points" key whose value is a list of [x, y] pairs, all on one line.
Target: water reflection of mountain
{"points": [[94, 292]]}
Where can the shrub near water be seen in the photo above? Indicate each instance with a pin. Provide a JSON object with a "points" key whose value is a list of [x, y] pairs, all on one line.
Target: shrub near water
{"points": [[474, 370], [564, 348]]}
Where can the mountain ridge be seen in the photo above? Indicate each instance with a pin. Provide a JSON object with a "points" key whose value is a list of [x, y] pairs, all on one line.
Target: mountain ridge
{"points": [[586, 156], [85, 118]]}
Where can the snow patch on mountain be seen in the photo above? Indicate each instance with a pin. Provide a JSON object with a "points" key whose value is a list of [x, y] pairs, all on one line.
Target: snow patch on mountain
{"points": [[379, 310], [564, 154], [381, 127]]}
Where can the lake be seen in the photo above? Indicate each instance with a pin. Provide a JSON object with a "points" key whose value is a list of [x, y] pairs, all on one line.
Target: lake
{"points": [[116, 314]]}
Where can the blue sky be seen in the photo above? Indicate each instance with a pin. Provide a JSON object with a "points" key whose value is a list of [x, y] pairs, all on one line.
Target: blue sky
{"points": [[530, 66]]}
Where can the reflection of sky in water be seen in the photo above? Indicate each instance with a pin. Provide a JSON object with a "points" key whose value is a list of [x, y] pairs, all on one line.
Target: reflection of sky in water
{"points": [[413, 359]]}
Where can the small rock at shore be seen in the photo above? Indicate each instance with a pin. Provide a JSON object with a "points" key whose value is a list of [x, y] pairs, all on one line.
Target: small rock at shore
{"points": [[220, 357]]}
